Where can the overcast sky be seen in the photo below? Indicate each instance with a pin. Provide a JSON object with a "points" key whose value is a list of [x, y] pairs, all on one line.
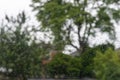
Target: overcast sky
{"points": [[13, 7]]}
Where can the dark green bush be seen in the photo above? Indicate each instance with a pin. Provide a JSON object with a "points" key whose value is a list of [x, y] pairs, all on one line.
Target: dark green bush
{"points": [[65, 66], [87, 59], [87, 63]]}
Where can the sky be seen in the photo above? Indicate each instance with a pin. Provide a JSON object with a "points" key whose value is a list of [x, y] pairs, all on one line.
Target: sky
{"points": [[13, 7]]}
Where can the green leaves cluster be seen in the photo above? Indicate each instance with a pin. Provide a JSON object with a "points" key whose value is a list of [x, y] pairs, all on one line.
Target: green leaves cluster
{"points": [[87, 59], [107, 65], [20, 56], [64, 66]]}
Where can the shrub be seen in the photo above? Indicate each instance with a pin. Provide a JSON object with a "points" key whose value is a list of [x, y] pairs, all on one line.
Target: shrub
{"points": [[107, 65], [65, 66], [87, 58], [87, 62]]}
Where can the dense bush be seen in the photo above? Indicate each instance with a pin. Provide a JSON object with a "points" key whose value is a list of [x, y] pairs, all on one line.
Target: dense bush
{"points": [[87, 62], [20, 57], [87, 59], [64, 66], [107, 65]]}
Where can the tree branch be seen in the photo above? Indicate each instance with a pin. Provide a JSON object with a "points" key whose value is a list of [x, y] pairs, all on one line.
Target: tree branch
{"points": [[79, 36], [69, 39], [86, 40]]}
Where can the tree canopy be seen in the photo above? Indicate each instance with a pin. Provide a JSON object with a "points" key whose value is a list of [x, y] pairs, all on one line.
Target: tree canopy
{"points": [[77, 20]]}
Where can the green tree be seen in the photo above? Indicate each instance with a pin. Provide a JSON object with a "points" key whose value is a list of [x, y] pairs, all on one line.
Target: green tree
{"points": [[80, 18], [107, 65], [18, 57]]}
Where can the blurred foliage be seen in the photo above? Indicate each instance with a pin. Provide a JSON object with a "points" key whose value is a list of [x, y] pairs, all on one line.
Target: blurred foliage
{"points": [[87, 59], [80, 18], [64, 66], [20, 56], [87, 62], [107, 65]]}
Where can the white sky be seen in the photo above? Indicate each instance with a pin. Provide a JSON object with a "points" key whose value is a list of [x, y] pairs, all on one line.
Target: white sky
{"points": [[13, 7]]}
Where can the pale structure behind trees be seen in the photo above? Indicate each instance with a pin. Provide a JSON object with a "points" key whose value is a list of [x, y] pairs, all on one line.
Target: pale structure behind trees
{"points": [[50, 57], [46, 61]]}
